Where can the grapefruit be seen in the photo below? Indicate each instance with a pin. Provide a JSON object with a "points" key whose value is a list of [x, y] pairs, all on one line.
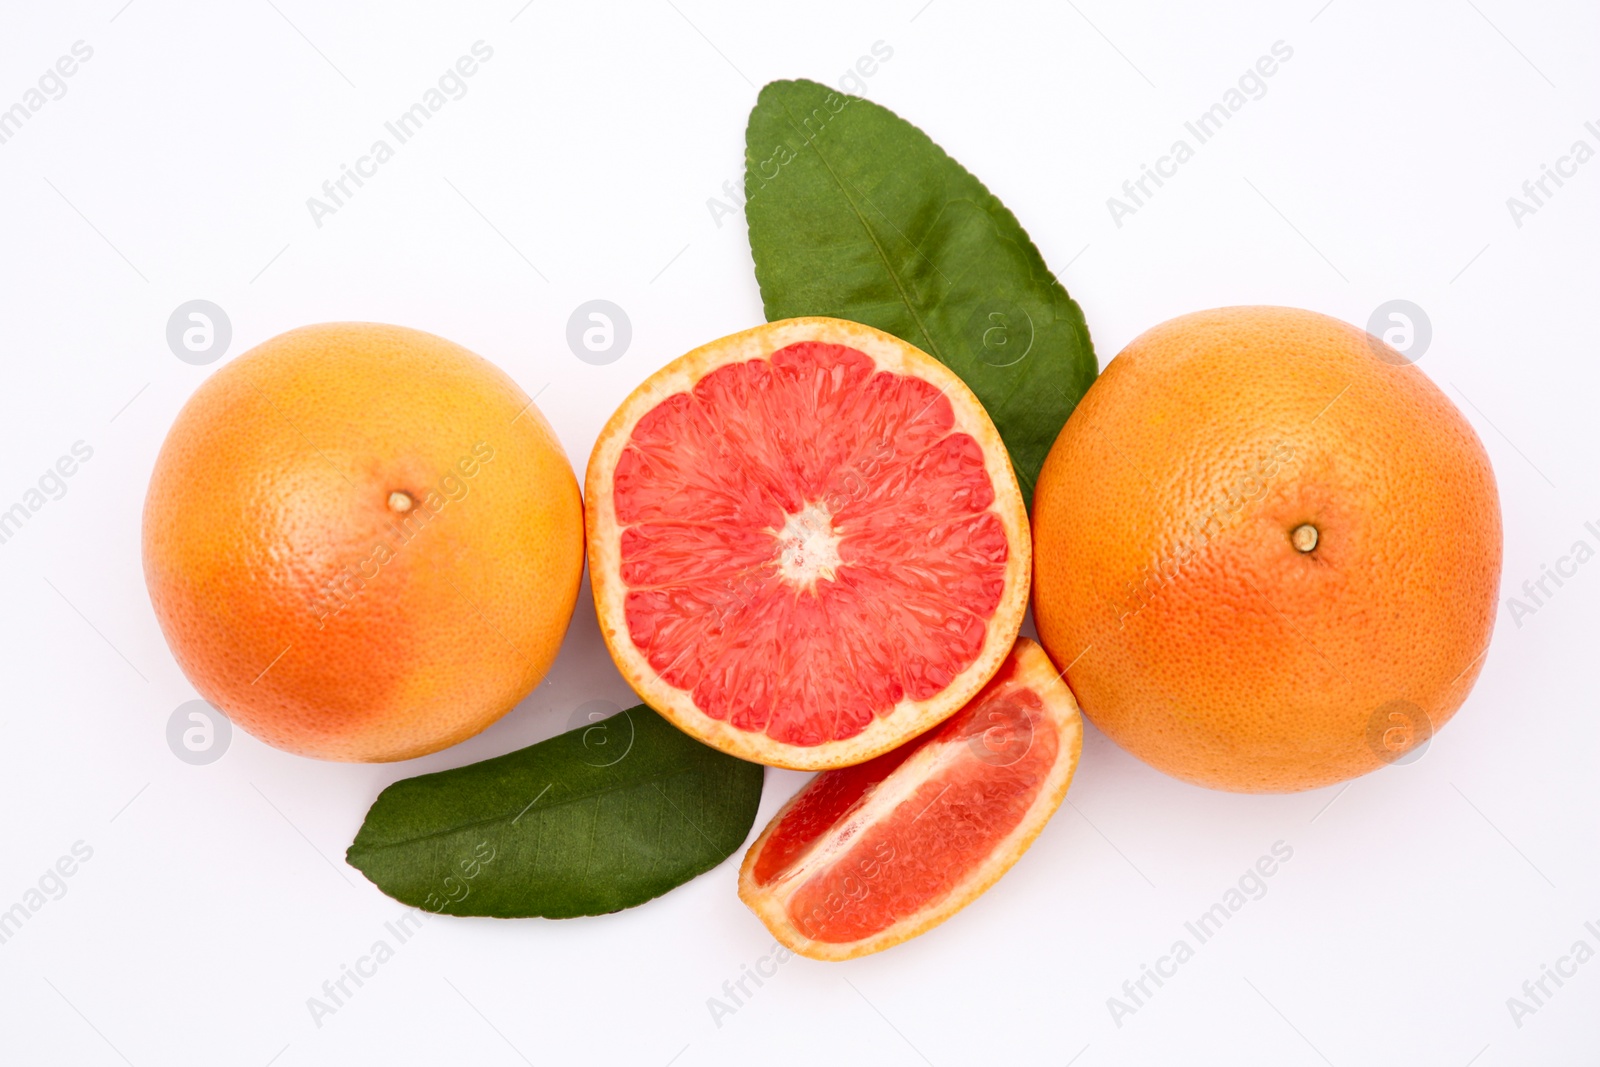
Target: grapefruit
{"points": [[1267, 551], [362, 542], [806, 542], [867, 856]]}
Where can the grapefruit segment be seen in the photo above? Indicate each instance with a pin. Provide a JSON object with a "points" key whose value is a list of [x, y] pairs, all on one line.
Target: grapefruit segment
{"points": [[867, 856], [806, 543]]}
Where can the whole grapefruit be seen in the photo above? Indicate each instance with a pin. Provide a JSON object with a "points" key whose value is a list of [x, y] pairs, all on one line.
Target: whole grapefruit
{"points": [[1267, 550], [362, 542], [806, 542]]}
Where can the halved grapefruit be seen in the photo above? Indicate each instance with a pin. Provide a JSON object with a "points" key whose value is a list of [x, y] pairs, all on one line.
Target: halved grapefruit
{"points": [[806, 543], [868, 856]]}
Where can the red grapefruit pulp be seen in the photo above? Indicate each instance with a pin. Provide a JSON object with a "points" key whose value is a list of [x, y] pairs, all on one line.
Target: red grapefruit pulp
{"points": [[806, 542], [865, 857]]}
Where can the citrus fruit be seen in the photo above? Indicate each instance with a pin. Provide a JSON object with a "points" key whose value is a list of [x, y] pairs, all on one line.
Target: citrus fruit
{"points": [[1267, 551], [806, 542], [867, 856], [362, 542]]}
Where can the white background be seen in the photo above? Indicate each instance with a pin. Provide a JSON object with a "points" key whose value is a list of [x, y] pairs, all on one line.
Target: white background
{"points": [[578, 166]]}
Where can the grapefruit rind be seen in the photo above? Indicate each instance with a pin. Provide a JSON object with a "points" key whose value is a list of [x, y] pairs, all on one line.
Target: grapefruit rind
{"points": [[909, 717], [1033, 670]]}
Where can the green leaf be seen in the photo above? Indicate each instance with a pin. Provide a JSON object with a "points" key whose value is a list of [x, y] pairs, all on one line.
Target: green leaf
{"points": [[593, 821], [856, 214]]}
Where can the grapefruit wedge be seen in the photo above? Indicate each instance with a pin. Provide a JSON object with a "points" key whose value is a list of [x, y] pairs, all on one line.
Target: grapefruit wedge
{"points": [[865, 857], [806, 543]]}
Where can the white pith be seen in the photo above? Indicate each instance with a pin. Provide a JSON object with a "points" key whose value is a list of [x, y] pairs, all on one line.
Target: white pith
{"points": [[808, 547]]}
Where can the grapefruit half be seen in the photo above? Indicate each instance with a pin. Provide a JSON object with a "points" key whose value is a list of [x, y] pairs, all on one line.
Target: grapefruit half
{"points": [[865, 857], [806, 543]]}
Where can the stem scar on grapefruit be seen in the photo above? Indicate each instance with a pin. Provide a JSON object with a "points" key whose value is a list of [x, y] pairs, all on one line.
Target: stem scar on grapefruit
{"points": [[1267, 551], [362, 542], [806, 543], [868, 856]]}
